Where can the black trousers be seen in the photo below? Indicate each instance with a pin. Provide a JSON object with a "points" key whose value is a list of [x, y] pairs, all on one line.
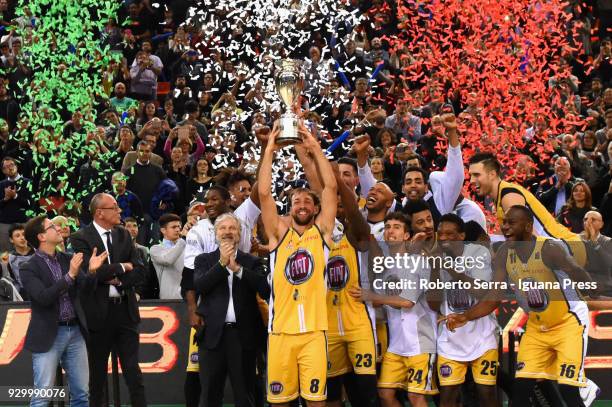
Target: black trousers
{"points": [[228, 357], [122, 334]]}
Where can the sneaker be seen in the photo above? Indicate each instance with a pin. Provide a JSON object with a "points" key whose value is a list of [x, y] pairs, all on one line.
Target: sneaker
{"points": [[589, 393]]}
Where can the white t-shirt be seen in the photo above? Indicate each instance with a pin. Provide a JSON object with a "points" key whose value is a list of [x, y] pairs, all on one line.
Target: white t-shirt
{"points": [[472, 340], [201, 237], [412, 331]]}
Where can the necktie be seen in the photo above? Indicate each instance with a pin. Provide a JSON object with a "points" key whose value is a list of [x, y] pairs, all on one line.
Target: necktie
{"points": [[109, 247]]}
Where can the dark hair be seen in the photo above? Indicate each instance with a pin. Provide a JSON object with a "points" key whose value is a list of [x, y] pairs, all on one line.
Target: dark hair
{"points": [[191, 106], [193, 171], [525, 211], [588, 196], [417, 206], [143, 115], [349, 161], [414, 168], [14, 227], [144, 143], [488, 160], [167, 218], [388, 131], [400, 217], [229, 176], [608, 111], [33, 228], [455, 220], [130, 219], [8, 158], [225, 195]]}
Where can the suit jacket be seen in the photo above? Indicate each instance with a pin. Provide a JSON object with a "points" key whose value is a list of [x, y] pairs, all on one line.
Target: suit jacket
{"points": [[547, 193], [599, 264], [211, 280], [124, 251], [44, 293], [131, 156]]}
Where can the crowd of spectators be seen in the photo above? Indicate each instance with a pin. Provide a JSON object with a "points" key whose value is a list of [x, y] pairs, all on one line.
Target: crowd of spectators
{"points": [[188, 97]]}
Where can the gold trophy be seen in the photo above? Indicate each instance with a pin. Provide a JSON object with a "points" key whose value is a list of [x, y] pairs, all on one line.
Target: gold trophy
{"points": [[289, 84]]}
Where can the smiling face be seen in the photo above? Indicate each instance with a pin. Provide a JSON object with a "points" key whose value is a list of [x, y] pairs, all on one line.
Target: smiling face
{"points": [[422, 222], [516, 227], [482, 179], [348, 175], [414, 186], [228, 230], [303, 208], [215, 204], [395, 231], [240, 191], [449, 236], [379, 198]]}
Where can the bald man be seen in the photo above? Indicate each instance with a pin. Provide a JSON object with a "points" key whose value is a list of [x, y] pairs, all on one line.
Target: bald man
{"points": [[599, 251], [555, 191]]}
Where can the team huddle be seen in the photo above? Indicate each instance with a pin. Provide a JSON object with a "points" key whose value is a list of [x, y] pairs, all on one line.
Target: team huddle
{"points": [[334, 324]]}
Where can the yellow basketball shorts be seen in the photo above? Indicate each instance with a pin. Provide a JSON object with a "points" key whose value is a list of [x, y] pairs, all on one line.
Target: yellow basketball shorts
{"points": [[353, 351], [556, 354], [297, 364], [382, 341], [193, 364], [484, 369], [415, 374]]}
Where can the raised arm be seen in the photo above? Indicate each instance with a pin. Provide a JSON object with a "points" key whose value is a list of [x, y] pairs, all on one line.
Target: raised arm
{"points": [[310, 169], [366, 178], [326, 219], [269, 214], [357, 230], [446, 186]]}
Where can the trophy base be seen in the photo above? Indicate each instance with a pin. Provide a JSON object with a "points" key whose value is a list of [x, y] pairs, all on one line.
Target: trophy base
{"points": [[288, 131]]}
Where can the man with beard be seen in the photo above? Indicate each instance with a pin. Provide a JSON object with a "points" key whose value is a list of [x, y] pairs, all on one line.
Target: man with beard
{"points": [[351, 345], [472, 346], [485, 176], [421, 223], [380, 200], [547, 283], [298, 311], [120, 102], [409, 362]]}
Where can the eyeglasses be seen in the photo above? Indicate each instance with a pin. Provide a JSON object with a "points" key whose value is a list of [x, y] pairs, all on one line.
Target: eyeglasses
{"points": [[114, 208], [51, 226]]}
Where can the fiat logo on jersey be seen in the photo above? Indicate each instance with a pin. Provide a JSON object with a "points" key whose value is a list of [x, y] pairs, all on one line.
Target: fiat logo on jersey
{"points": [[299, 267], [337, 273]]}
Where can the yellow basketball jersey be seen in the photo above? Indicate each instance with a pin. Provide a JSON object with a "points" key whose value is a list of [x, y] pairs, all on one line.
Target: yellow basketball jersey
{"points": [[544, 224], [344, 313], [361, 203], [297, 269], [541, 291]]}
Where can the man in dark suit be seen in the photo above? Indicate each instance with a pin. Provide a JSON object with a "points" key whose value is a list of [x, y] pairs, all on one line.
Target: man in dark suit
{"points": [[599, 252], [229, 280], [57, 327], [112, 309]]}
